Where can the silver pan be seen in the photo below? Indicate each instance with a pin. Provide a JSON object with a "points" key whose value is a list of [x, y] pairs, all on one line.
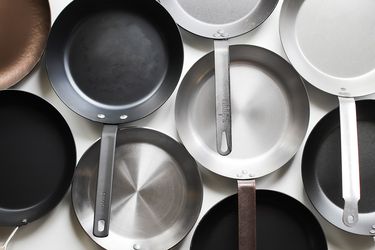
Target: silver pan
{"points": [[157, 191], [270, 111], [220, 20], [331, 44]]}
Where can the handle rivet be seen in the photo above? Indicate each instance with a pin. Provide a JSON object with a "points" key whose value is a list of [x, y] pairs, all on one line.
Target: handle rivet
{"points": [[101, 116], [123, 117], [372, 231], [244, 171], [136, 247]]}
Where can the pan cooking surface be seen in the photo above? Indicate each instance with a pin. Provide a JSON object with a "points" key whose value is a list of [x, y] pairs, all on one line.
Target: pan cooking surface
{"points": [[24, 27], [37, 157], [258, 105], [282, 223], [335, 39], [321, 167], [218, 12], [156, 196], [117, 58]]}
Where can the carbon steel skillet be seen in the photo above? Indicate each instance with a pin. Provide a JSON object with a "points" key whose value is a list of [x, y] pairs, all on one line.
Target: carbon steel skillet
{"points": [[220, 20], [270, 117], [331, 44]]}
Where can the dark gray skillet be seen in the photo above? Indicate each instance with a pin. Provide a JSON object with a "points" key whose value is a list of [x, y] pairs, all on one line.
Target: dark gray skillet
{"points": [[321, 170], [113, 62], [37, 158]]}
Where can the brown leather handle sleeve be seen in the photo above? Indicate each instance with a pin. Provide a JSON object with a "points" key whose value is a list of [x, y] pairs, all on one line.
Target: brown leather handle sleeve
{"points": [[246, 215]]}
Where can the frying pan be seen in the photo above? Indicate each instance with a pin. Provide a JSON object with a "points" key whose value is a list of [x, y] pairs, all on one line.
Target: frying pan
{"points": [[157, 192], [317, 42], [113, 62], [288, 223], [270, 116], [24, 28], [321, 168], [38, 157], [220, 20]]}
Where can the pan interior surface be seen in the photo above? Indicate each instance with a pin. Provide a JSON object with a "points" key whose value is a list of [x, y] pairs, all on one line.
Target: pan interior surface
{"points": [[37, 154], [330, 43], [334, 36], [157, 191], [269, 113], [282, 223], [218, 12], [219, 19], [24, 28], [117, 57], [321, 167]]}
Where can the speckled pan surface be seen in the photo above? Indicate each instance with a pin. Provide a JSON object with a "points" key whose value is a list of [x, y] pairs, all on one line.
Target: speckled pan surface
{"points": [[24, 28]]}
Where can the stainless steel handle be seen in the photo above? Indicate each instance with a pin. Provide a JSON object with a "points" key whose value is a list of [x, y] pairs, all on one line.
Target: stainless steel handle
{"points": [[349, 160], [104, 181], [4, 247], [246, 215], [222, 90]]}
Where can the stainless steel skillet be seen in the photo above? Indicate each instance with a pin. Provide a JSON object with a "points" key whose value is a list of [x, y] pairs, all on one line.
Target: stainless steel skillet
{"points": [[157, 191]]}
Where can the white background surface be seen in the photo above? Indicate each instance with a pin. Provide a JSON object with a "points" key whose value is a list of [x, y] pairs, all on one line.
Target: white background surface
{"points": [[60, 229]]}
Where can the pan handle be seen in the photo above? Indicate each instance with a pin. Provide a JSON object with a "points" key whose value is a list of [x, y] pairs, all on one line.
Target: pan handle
{"points": [[246, 215], [349, 160], [4, 247], [223, 105], [104, 181]]}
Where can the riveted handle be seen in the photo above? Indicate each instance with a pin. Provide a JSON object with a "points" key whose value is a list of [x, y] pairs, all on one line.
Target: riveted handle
{"points": [[223, 105], [246, 215], [104, 181], [349, 160]]}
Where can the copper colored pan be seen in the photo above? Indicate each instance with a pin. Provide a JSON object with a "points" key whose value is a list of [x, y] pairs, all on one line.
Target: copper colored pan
{"points": [[24, 28]]}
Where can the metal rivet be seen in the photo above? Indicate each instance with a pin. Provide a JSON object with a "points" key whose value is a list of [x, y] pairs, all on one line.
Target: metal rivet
{"points": [[136, 247], [372, 231], [343, 89], [123, 117], [251, 175], [244, 171], [239, 175], [101, 116], [373, 226]]}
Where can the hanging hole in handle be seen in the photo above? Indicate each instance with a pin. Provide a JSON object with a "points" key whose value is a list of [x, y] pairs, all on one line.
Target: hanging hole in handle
{"points": [[224, 142], [101, 225]]}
